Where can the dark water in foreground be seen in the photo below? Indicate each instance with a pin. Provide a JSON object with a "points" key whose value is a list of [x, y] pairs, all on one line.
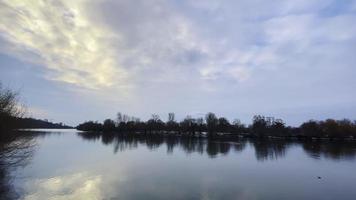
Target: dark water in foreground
{"points": [[72, 165]]}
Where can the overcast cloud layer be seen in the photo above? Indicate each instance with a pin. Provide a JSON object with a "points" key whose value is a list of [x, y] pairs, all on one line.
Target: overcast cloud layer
{"points": [[81, 60]]}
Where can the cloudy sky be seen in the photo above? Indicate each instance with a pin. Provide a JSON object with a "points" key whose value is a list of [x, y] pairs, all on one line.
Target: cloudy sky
{"points": [[85, 60]]}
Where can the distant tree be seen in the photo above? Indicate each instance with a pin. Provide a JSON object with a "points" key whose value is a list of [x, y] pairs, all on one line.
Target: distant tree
{"points": [[278, 128], [171, 117], [155, 117], [311, 129], [211, 122], [136, 119], [330, 128], [125, 118], [259, 125], [171, 124], [108, 125], [223, 125], [200, 124], [188, 125], [90, 126], [119, 118], [238, 127], [155, 123], [347, 129]]}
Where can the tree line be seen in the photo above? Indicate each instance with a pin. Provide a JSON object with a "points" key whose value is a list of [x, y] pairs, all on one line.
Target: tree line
{"points": [[214, 126], [12, 114]]}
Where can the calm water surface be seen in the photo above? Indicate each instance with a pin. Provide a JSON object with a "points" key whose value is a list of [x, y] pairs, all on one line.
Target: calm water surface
{"points": [[72, 165]]}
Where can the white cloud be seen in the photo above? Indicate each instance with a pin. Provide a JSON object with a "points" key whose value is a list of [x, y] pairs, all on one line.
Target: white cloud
{"points": [[303, 6], [337, 29], [65, 40], [290, 28], [210, 5], [125, 42], [353, 6], [155, 49], [309, 29], [117, 50], [240, 73]]}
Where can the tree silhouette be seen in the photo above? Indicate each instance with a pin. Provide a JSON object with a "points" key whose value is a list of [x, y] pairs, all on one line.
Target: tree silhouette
{"points": [[10, 108], [259, 125], [221, 127], [211, 123]]}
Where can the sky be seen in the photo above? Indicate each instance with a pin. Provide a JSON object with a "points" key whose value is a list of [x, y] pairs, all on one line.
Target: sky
{"points": [[81, 60]]}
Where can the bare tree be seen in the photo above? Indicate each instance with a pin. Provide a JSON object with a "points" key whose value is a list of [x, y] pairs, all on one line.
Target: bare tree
{"points": [[212, 122], [171, 117], [155, 117], [10, 107], [118, 118]]}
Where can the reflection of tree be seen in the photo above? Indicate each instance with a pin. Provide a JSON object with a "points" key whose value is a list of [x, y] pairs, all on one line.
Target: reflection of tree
{"points": [[171, 143], [332, 150], [92, 136], [265, 149], [16, 150], [212, 148], [217, 147], [275, 149], [270, 149], [122, 142], [239, 146]]}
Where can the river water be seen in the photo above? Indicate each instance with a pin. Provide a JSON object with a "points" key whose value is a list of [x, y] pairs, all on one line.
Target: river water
{"points": [[67, 164]]}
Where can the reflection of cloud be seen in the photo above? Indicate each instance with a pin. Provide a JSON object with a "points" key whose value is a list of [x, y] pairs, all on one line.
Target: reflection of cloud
{"points": [[76, 186], [60, 36]]}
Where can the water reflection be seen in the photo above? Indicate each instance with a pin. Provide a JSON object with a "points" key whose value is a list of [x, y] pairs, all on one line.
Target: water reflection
{"points": [[331, 150], [189, 145], [16, 150], [265, 149], [270, 149], [162, 166], [81, 185]]}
